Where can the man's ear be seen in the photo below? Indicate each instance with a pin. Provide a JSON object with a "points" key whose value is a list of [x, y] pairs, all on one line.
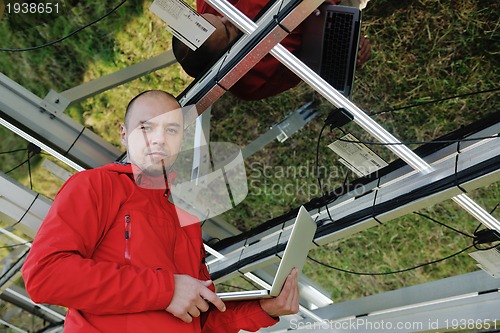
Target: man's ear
{"points": [[123, 135]]}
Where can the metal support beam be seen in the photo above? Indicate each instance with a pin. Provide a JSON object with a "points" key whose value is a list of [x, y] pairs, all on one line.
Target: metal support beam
{"points": [[247, 51], [18, 296], [10, 270], [94, 87], [471, 299], [12, 327], [337, 99], [21, 206], [240, 257], [281, 131], [22, 112]]}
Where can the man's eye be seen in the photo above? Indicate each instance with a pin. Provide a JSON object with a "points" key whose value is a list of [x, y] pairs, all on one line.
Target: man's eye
{"points": [[172, 130]]}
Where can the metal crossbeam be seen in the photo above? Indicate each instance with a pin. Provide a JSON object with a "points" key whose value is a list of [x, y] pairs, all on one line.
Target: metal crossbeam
{"points": [[247, 51], [436, 306], [374, 197], [43, 123], [20, 298], [21, 206], [337, 99], [23, 113], [281, 131], [106, 82]]}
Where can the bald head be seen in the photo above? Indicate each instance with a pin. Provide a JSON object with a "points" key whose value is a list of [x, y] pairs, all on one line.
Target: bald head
{"points": [[153, 131], [159, 94]]}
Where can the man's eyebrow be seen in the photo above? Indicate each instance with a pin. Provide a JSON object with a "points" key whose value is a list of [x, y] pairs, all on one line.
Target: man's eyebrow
{"points": [[148, 122]]}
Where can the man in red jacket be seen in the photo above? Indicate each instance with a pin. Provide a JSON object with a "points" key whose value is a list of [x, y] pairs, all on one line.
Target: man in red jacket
{"points": [[268, 77], [122, 258]]}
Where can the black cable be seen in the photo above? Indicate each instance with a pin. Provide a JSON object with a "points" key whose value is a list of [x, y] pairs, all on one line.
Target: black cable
{"points": [[25, 212], [392, 272], [29, 170], [418, 142], [74, 141], [17, 166], [13, 264], [495, 208], [22, 163], [424, 191], [32, 151], [444, 225], [485, 248], [14, 245], [13, 151], [434, 101], [67, 36], [374, 216], [474, 244], [317, 169]]}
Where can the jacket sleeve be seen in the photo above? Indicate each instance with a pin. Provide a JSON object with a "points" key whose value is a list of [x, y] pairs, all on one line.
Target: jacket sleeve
{"points": [[268, 77], [59, 269], [239, 315]]}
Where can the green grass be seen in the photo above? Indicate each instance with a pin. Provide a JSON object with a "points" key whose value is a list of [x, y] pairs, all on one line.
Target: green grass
{"points": [[421, 51]]}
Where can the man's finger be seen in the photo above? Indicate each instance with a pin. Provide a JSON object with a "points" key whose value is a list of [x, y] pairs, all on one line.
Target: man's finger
{"points": [[293, 291], [206, 283], [194, 312], [212, 297], [203, 306], [185, 318]]}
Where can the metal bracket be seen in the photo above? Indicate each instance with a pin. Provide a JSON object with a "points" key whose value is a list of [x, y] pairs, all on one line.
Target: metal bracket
{"points": [[54, 103]]}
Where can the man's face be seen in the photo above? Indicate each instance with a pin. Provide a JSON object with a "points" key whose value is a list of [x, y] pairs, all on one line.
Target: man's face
{"points": [[224, 34], [153, 133]]}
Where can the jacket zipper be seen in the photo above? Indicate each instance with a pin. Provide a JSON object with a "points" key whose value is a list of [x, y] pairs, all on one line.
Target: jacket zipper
{"points": [[127, 238]]}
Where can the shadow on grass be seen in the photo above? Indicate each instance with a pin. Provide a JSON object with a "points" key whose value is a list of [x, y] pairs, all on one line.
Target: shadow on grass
{"points": [[386, 8]]}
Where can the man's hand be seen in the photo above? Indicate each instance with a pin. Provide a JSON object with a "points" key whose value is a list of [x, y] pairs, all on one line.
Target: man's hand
{"points": [[192, 297], [287, 301], [364, 51]]}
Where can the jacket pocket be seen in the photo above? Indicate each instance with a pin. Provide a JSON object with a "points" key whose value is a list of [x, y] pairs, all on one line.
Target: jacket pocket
{"points": [[128, 234]]}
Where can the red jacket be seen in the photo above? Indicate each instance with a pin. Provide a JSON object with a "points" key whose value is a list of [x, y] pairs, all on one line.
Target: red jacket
{"points": [[268, 77], [81, 259]]}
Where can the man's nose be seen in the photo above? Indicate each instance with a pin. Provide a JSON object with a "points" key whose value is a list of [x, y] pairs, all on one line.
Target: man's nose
{"points": [[157, 137]]}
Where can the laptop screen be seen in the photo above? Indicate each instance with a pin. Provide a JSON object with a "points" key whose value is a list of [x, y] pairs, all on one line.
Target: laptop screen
{"points": [[330, 43]]}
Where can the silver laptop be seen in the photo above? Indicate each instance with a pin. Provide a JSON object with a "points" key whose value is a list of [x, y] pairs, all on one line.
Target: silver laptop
{"points": [[295, 255], [330, 45]]}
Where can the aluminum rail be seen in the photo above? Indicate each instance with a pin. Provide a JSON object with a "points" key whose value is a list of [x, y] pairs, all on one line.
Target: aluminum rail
{"points": [[471, 298], [43, 122], [106, 82], [22, 207], [374, 197], [18, 297], [30, 117], [247, 51], [337, 99]]}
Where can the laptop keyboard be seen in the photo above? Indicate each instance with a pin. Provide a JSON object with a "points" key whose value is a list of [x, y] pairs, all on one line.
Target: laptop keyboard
{"points": [[336, 48]]}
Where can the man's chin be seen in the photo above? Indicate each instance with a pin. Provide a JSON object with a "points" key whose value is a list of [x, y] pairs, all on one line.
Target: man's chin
{"points": [[154, 170]]}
